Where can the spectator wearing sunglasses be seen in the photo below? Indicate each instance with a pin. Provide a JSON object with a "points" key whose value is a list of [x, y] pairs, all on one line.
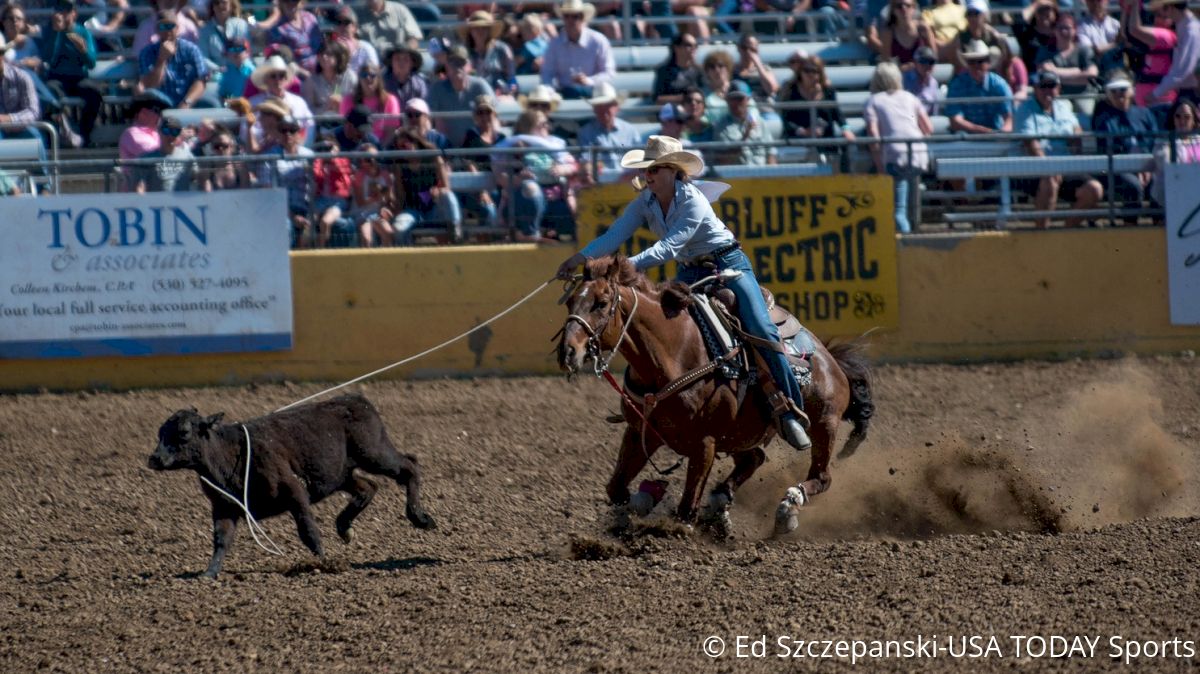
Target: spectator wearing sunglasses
{"points": [[580, 57], [417, 119], [369, 92], [147, 30], [291, 171], [362, 53], [174, 66], [238, 69], [274, 78], [1046, 115], [456, 94], [225, 29], [176, 170]]}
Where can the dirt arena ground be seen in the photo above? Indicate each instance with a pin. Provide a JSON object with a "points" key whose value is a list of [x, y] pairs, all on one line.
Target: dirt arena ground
{"points": [[1033, 499]]}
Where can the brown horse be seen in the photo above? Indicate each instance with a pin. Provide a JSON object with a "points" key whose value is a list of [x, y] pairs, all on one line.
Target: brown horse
{"points": [[615, 308]]}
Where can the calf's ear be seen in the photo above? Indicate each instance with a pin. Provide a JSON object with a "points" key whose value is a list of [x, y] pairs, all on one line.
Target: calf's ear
{"points": [[209, 423]]}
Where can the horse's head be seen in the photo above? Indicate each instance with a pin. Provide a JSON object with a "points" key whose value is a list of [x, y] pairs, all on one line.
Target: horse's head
{"points": [[594, 321]]}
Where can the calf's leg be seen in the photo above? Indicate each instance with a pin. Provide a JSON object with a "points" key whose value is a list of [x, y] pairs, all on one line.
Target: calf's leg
{"points": [[224, 528], [361, 492], [306, 524], [403, 468]]}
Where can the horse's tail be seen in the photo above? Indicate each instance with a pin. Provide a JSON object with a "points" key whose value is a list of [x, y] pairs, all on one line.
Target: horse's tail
{"points": [[852, 358]]}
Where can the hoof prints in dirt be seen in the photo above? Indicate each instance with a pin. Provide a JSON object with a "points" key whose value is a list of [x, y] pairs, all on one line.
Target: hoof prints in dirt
{"points": [[633, 537]]}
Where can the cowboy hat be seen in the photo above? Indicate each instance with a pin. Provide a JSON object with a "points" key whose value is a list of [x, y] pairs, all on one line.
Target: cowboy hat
{"points": [[664, 150], [274, 64], [481, 19], [418, 60], [603, 94], [587, 9], [978, 49], [542, 93], [273, 106]]}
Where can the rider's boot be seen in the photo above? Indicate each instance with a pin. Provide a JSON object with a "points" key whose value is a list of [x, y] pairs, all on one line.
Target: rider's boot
{"points": [[793, 432]]}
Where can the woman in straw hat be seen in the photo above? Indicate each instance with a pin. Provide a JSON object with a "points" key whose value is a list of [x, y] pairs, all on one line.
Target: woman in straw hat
{"points": [[491, 57], [679, 212]]}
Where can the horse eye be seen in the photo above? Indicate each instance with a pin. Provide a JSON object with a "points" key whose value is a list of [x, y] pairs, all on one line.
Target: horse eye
{"points": [[600, 304]]}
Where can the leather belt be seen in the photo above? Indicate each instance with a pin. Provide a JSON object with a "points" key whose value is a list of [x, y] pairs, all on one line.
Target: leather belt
{"points": [[712, 256]]}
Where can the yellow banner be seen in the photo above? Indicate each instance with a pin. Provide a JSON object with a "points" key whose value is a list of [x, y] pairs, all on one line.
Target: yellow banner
{"points": [[826, 246]]}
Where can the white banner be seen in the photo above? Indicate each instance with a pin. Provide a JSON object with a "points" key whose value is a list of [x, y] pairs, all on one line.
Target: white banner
{"points": [[1183, 242], [140, 274]]}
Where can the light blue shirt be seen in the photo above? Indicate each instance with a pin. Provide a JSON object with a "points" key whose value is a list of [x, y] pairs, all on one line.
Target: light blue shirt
{"points": [[1060, 121], [592, 56], [689, 230], [623, 136]]}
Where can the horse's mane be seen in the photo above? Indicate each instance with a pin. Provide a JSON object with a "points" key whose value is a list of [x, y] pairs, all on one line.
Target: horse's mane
{"points": [[619, 270]]}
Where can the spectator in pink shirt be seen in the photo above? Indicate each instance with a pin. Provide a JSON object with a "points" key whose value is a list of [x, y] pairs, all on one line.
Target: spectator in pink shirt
{"points": [[142, 135], [370, 92]]}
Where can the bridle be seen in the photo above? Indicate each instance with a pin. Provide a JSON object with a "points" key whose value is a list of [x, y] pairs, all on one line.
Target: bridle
{"points": [[593, 348]]}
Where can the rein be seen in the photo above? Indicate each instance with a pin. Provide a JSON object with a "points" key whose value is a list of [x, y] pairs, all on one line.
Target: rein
{"points": [[651, 400]]}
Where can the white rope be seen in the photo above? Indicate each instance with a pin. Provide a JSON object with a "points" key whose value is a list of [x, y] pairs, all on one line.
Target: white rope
{"points": [[423, 353], [251, 523]]}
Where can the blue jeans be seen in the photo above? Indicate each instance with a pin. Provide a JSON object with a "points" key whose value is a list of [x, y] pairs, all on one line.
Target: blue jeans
{"points": [[752, 310], [902, 175], [443, 211], [529, 207]]}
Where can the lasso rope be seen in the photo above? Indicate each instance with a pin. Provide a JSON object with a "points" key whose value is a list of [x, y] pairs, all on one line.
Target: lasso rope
{"points": [[255, 528], [423, 353]]}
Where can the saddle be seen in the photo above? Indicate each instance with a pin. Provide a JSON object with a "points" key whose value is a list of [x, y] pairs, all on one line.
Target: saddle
{"points": [[716, 315]]}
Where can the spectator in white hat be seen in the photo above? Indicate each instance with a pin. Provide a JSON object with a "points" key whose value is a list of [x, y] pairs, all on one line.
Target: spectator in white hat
{"points": [[606, 129], [273, 78], [580, 58]]}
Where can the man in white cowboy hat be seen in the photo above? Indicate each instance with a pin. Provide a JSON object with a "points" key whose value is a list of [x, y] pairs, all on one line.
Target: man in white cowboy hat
{"points": [[273, 78], [579, 58], [388, 25], [978, 81], [680, 214], [1186, 56], [451, 100], [606, 129], [543, 97], [174, 66]]}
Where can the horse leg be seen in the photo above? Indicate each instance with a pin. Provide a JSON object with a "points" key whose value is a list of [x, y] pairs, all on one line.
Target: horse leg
{"points": [[824, 435], [630, 461], [699, 466], [744, 465]]}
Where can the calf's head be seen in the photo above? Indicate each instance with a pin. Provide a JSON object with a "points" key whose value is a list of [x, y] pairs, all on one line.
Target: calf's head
{"points": [[180, 440]]}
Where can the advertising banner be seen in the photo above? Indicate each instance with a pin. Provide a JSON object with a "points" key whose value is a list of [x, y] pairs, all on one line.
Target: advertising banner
{"points": [[825, 246], [141, 274], [1183, 242]]}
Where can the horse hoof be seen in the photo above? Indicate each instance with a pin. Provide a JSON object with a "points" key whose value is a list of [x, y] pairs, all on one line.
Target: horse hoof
{"points": [[786, 520], [641, 503], [347, 536]]}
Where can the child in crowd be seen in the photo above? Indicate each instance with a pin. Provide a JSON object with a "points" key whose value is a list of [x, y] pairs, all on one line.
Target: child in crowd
{"points": [[372, 197], [238, 70], [332, 179], [533, 45]]}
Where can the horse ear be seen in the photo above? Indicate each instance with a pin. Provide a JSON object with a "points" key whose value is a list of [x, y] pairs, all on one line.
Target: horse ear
{"points": [[675, 299], [614, 271]]}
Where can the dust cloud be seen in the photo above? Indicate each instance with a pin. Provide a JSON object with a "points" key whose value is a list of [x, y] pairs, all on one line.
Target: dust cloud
{"points": [[1094, 455]]}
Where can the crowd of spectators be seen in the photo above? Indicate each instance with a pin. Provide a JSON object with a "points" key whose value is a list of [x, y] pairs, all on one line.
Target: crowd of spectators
{"points": [[364, 77]]}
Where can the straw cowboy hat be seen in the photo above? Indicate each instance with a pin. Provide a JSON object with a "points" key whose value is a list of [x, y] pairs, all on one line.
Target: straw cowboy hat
{"points": [[603, 94], [274, 64], [664, 150], [978, 49], [542, 93], [587, 9], [481, 19]]}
